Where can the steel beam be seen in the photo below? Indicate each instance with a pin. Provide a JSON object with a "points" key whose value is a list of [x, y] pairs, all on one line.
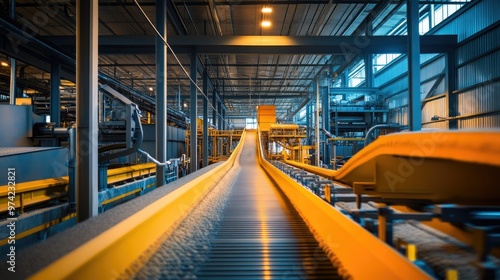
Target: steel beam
{"points": [[316, 120], [343, 45], [326, 121], [452, 98], [193, 149], [258, 2], [414, 107], [161, 91], [55, 96], [205, 119], [214, 109], [308, 122], [86, 104], [369, 77], [13, 64], [13, 77], [219, 115]]}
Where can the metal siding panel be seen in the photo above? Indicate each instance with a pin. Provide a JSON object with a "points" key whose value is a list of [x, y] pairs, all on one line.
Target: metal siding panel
{"points": [[435, 107], [484, 98], [489, 121], [478, 17], [436, 125], [432, 69], [479, 71]]}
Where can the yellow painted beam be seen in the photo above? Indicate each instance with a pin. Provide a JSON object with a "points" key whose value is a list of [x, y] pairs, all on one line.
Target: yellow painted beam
{"points": [[111, 252], [439, 166], [363, 255], [125, 173], [39, 191], [39, 228]]}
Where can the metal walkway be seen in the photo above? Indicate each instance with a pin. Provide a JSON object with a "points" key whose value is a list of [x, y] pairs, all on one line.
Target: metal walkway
{"points": [[261, 235]]}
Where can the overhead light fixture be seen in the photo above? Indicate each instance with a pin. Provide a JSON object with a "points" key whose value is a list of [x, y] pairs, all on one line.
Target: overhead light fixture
{"points": [[266, 23], [150, 89], [5, 64], [267, 10]]}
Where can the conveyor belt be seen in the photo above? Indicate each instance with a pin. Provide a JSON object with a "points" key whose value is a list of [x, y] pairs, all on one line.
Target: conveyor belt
{"points": [[261, 235], [257, 234]]}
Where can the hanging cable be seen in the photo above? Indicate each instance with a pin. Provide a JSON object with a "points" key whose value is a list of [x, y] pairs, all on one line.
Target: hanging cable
{"points": [[178, 61]]}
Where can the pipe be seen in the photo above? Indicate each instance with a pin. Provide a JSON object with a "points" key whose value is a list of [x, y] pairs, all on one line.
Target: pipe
{"points": [[327, 133], [153, 159], [378, 126]]}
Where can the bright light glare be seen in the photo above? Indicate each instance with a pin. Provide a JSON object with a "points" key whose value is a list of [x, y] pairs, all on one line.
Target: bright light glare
{"points": [[5, 64], [266, 23], [267, 10]]}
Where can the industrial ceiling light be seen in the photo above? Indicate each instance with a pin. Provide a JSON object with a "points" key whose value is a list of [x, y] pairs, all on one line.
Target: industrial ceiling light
{"points": [[150, 89], [267, 10], [5, 64], [266, 23]]}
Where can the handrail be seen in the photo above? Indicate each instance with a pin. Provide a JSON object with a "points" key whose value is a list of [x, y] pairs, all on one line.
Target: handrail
{"points": [[111, 252], [361, 254]]}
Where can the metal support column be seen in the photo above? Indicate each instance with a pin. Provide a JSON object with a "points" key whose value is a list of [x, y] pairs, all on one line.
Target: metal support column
{"points": [[161, 91], [369, 78], [414, 103], [55, 95], [308, 122], [13, 68], [13, 71], [214, 109], [452, 99], [326, 121], [316, 119], [86, 107], [219, 115], [224, 124], [205, 118], [345, 79], [193, 153]]}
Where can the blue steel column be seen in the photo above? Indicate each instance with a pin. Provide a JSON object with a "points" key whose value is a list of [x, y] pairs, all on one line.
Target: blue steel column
{"points": [[450, 87], [55, 96], [219, 115], [161, 91], [214, 110], [326, 122], [205, 118], [369, 70], [308, 122], [414, 109], [86, 107], [224, 124], [193, 153], [13, 67]]}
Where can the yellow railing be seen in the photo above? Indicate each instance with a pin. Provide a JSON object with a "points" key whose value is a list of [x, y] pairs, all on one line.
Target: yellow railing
{"points": [[111, 252], [41, 191], [361, 254]]}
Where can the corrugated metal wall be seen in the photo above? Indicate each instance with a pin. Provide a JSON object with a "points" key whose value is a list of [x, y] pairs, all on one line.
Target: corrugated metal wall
{"points": [[478, 72]]}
